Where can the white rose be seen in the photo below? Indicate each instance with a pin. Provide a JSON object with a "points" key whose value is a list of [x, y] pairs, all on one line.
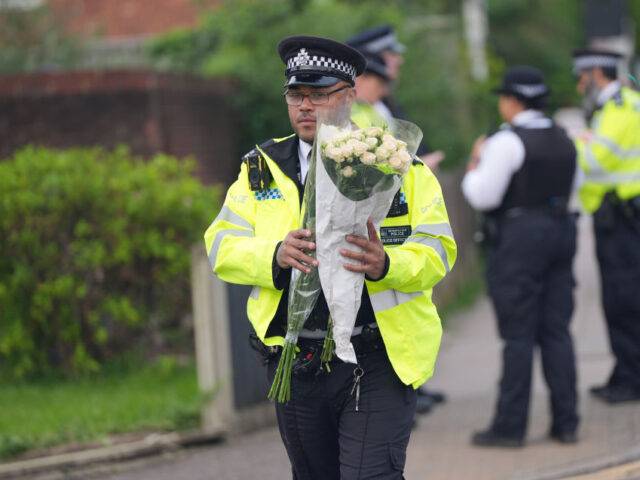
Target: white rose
{"points": [[371, 141], [401, 144], [368, 158], [342, 136], [373, 131], [360, 148], [348, 171], [388, 138], [346, 150], [382, 152], [336, 154], [390, 144], [396, 163], [404, 156]]}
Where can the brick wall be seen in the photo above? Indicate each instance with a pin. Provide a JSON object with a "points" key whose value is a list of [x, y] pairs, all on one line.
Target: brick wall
{"points": [[126, 18], [148, 111]]}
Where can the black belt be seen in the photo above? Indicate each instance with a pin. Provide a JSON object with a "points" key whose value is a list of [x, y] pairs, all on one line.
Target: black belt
{"points": [[367, 341], [553, 211]]}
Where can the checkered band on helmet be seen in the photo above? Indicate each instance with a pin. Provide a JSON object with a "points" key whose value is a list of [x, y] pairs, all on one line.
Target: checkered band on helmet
{"points": [[529, 91], [303, 62], [591, 61]]}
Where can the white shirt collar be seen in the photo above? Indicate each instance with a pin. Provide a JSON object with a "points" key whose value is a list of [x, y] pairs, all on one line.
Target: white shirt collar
{"points": [[525, 117], [303, 155], [607, 92]]}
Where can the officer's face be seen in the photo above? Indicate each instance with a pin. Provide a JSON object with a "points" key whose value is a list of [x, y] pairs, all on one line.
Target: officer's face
{"points": [[303, 117], [584, 81], [393, 62]]}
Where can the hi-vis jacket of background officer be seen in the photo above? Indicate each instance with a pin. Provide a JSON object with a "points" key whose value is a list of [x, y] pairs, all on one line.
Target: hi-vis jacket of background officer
{"points": [[241, 244], [610, 159]]}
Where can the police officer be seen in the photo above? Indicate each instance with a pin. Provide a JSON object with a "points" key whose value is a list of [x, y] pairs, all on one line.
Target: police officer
{"points": [[609, 155], [521, 177], [382, 41], [371, 87], [255, 240]]}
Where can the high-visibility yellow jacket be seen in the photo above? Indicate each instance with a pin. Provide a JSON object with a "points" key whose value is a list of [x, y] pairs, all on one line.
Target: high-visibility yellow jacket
{"points": [[363, 114], [610, 158], [242, 239]]}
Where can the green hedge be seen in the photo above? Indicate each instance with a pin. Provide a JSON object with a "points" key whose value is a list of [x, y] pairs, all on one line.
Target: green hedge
{"points": [[95, 255]]}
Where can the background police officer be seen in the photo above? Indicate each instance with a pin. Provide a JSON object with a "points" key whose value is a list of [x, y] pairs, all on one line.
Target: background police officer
{"points": [[609, 155], [521, 177], [382, 41], [255, 240]]}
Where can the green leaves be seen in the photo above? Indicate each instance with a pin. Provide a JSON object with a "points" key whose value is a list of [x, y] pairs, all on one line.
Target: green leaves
{"points": [[93, 244], [238, 39]]}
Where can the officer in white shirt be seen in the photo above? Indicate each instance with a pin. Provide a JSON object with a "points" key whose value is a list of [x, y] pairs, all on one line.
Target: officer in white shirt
{"points": [[521, 179]]}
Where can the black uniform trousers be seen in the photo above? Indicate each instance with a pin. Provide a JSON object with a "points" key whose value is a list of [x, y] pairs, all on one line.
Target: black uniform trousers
{"points": [[618, 252], [327, 439], [531, 284]]}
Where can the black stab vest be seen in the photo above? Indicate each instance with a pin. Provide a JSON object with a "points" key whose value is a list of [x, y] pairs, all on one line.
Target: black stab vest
{"points": [[547, 172]]}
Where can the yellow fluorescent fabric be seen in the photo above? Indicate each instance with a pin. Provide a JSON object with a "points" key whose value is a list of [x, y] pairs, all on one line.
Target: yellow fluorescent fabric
{"points": [[611, 157], [408, 320]]}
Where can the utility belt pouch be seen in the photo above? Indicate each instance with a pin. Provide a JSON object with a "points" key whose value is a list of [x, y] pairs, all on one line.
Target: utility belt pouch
{"points": [[632, 212], [308, 359], [605, 217], [257, 171], [490, 230], [263, 352], [632, 208]]}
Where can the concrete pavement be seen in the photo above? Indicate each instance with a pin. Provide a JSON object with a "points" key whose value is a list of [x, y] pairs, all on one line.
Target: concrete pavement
{"points": [[468, 370]]}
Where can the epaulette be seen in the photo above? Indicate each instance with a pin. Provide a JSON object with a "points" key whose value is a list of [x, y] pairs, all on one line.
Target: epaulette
{"points": [[268, 143], [617, 98], [417, 162], [252, 152]]}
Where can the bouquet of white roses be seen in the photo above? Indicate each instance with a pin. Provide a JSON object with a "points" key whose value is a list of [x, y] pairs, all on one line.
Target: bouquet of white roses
{"points": [[353, 176]]}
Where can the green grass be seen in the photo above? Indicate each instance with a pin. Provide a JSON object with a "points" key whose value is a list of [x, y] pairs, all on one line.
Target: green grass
{"points": [[44, 413]]}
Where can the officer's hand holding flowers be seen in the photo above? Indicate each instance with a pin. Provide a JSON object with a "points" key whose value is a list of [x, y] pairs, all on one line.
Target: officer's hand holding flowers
{"points": [[371, 257], [292, 251]]}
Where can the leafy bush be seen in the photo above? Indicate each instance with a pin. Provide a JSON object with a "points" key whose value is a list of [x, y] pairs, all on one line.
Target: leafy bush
{"points": [[95, 254]]}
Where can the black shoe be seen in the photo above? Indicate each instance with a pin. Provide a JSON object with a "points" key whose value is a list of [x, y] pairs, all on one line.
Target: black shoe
{"points": [[564, 437], [437, 397], [489, 438], [423, 404], [621, 394]]}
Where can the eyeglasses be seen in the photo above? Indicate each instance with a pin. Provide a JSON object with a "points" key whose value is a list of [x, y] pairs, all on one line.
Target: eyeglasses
{"points": [[316, 98]]}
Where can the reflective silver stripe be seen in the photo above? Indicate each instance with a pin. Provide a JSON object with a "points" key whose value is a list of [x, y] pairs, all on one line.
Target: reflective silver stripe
{"points": [[592, 163], [236, 232], [613, 178], [230, 216], [617, 150], [436, 244], [255, 293], [391, 298], [318, 334], [434, 229]]}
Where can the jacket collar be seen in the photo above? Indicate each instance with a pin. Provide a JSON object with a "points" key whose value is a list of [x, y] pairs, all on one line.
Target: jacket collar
{"points": [[284, 152]]}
